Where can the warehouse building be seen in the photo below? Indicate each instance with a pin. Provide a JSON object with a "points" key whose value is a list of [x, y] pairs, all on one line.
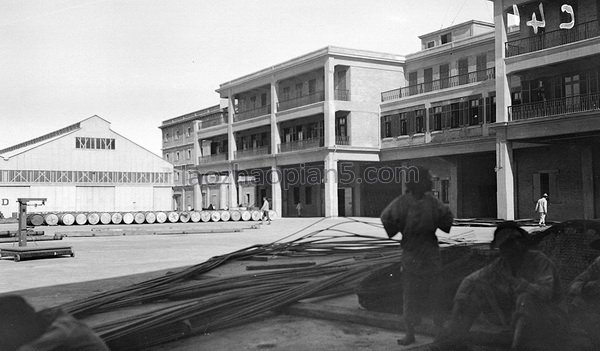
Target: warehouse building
{"points": [[84, 167]]}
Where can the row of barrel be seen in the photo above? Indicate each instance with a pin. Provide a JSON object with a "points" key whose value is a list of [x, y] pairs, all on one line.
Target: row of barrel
{"points": [[93, 218]]}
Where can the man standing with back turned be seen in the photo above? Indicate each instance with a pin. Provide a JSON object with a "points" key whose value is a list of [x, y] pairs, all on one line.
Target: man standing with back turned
{"points": [[417, 215], [541, 207]]}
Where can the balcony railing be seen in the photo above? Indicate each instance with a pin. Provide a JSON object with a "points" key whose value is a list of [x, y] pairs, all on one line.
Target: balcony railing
{"points": [[212, 158], [213, 121], [438, 84], [301, 101], [301, 145], [342, 95], [342, 140], [258, 151], [553, 38], [251, 113], [572, 104]]}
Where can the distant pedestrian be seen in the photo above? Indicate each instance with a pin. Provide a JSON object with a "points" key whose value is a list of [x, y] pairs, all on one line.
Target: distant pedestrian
{"points": [[541, 207], [265, 211], [299, 208], [417, 215]]}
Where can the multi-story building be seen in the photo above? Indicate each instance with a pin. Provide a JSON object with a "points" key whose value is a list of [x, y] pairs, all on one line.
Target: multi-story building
{"points": [[548, 107], [290, 128], [440, 118], [184, 150]]}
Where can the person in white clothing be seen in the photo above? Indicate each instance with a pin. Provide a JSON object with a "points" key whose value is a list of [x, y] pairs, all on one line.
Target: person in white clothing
{"points": [[541, 207], [265, 211]]}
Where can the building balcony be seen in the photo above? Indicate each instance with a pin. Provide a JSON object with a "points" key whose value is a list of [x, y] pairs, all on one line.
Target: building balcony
{"points": [[301, 101], [572, 104], [212, 158], [439, 84], [254, 152], [212, 121], [342, 140], [342, 95], [301, 145], [553, 38], [251, 113]]}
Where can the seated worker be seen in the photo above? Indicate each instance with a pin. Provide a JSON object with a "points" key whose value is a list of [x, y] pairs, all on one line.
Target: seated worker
{"points": [[23, 329], [584, 299], [521, 288]]}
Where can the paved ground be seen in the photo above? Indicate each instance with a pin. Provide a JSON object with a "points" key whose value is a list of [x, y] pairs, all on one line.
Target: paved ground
{"points": [[118, 256]]}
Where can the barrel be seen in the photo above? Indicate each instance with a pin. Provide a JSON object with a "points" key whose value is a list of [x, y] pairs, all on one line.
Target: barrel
{"points": [[195, 216], [225, 216], [161, 217], [105, 218], [184, 217], [272, 214], [66, 219], [205, 216], [215, 216], [116, 218], [127, 217], [256, 215], [236, 215], [51, 219], [35, 219], [173, 217], [93, 218], [150, 217], [81, 218], [246, 215], [139, 217]]}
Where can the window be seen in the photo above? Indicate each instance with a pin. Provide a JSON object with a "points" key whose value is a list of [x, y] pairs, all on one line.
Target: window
{"points": [[299, 89], [474, 112], [430, 44], [446, 38], [454, 115], [419, 118], [481, 62], [463, 71], [253, 102], [546, 182], [189, 154], [263, 99], [177, 134], [437, 118], [403, 124], [444, 74], [166, 136], [188, 132], [341, 129], [312, 86], [177, 156], [428, 78], [387, 127], [445, 191], [296, 194], [286, 93], [95, 143], [168, 157]]}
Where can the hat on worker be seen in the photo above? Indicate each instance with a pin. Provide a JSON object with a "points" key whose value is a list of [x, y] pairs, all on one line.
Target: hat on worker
{"points": [[545, 195], [508, 230]]}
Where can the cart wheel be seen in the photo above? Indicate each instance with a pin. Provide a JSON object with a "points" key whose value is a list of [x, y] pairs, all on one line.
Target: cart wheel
{"points": [[17, 258], [72, 254]]}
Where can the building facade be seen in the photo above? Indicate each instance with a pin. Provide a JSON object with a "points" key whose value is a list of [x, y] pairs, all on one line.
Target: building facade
{"points": [[84, 167], [548, 125]]}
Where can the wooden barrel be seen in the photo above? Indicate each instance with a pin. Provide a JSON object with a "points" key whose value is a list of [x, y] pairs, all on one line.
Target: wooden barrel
{"points": [[93, 218], [116, 218], [35, 219], [139, 218], [51, 219], [127, 217], [256, 215], [195, 216], [184, 217], [161, 217], [236, 215], [246, 215], [173, 216], [81, 218], [215, 216], [105, 218], [150, 217], [225, 216], [66, 219], [205, 216]]}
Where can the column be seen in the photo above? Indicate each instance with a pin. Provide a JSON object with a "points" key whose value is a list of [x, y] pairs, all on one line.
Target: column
{"points": [[504, 178], [428, 122], [587, 181], [331, 187], [223, 198], [197, 195], [329, 108], [276, 198], [275, 136], [231, 145], [232, 185], [502, 88]]}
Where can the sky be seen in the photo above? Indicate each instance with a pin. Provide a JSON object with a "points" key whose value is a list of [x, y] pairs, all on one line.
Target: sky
{"points": [[136, 63]]}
